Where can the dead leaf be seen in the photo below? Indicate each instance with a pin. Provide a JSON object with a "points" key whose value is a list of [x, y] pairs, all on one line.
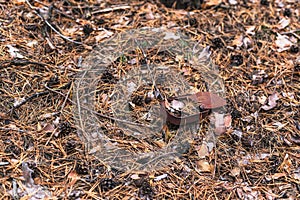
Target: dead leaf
{"points": [[235, 171], [296, 174], [32, 43], [238, 41], [250, 30], [135, 177], [262, 99], [177, 105], [3, 115], [232, 2], [221, 123], [49, 127], [282, 43], [211, 3], [208, 100], [74, 177], [271, 101], [47, 115], [204, 166], [202, 150], [103, 34], [19, 2], [14, 52], [27, 174], [286, 164], [284, 22]]}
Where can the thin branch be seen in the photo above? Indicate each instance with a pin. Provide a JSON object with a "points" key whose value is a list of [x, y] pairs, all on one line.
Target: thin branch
{"points": [[48, 24], [123, 7]]}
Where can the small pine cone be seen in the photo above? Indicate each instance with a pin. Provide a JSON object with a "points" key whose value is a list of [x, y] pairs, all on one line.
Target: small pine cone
{"points": [[107, 184], [138, 100], [108, 77], [146, 191], [81, 169], [65, 128]]}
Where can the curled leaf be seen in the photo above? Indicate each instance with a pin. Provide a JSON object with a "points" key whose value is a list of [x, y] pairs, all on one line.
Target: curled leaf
{"points": [[272, 101]]}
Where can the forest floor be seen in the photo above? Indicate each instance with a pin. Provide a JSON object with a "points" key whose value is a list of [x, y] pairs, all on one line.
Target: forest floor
{"points": [[254, 46]]}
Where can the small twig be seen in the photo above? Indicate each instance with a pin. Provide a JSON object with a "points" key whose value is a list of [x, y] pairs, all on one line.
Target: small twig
{"points": [[48, 24], [38, 94], [66, 96], [56, 9], [12, 129], [21, 62], [94, 112], [123, 7], [293, 32]]}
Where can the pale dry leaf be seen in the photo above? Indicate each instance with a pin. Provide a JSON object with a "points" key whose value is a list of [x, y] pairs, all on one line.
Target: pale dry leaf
{"points": [[49, 127], [177, 105], [47, 115], [56, 121], [103, 34], [262, 99], [282, 43], [284, 22], [250, 30], [131, 87], [219, 123], [227, 121], [232, 2], [235, 171], [238, 133], [202, 151], [73, 177], [210, 3], [149, 14], [186, 71], [14, 52], [204, 166], [135, 177], [272, 101], [19, 2], [32, 43], [30, 191], [247, 42], [279, 125], [296, 174], [238, 41], [3, 115], [27, 174]]}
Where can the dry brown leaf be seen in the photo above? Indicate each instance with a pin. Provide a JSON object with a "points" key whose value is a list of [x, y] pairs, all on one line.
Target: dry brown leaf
{"points": [[208, 100], [235, 171], [202, 150], [73, 177], [238, 41], [204, 166], [3, 115], [210, 3], [49, 128]]}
